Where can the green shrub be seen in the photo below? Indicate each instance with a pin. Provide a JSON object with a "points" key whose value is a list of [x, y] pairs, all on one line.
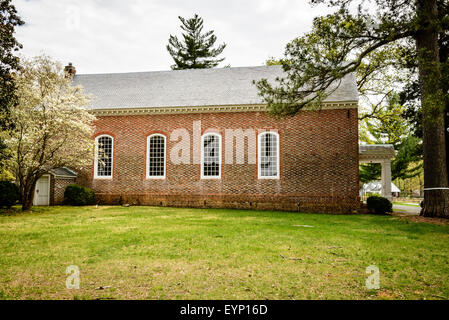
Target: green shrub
{"points": [[9, 194], [379, 205], [76, 195]]}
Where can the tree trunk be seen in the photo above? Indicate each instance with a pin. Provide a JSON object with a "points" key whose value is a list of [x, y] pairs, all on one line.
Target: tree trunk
{"points": [[446, 125], [436, 192], [28, 194]]}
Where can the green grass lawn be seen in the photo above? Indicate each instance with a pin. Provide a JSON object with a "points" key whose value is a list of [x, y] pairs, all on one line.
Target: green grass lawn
{"points": [[171, 253]]}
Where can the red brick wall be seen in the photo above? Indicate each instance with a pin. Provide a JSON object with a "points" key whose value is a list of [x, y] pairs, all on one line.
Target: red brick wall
{"points": [[318, 163], [58, 187]]}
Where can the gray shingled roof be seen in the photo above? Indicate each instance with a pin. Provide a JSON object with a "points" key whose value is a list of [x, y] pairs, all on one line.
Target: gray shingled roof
{"points": [[63, 172], [197, 87]]}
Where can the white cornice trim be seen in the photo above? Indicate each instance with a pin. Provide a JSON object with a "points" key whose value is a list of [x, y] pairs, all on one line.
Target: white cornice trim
{"points": [[210, 109]]}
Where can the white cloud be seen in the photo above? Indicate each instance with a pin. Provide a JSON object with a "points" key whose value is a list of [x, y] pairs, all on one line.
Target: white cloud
{"points": [[102, 36]]}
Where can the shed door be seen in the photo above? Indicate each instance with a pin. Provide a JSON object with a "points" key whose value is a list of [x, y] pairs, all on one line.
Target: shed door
{"points": [[42, 191]]}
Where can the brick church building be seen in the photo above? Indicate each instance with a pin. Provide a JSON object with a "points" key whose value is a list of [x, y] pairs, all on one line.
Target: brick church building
{"points": [[203, 138]]}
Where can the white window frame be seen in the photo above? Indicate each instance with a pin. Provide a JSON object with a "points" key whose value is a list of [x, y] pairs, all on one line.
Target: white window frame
{"points": [[148, 157], [219, 156], [96, 176], [259, 155]]}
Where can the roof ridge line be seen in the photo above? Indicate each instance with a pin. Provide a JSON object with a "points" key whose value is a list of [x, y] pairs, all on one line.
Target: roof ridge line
{"points": [[168, 71]]}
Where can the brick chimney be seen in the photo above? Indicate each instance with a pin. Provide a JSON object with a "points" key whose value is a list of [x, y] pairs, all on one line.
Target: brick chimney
{"points": [[69, 70]]}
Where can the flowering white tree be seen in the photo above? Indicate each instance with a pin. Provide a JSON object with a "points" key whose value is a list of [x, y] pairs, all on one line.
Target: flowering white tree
{"points": [[51, 126]]}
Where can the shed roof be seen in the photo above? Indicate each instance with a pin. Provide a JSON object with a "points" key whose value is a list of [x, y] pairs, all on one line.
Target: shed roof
{"points": [[63, 172], [187, 88]]}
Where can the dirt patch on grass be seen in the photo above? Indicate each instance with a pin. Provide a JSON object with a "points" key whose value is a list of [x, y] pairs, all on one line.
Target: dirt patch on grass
{"points": [[438, 221]]}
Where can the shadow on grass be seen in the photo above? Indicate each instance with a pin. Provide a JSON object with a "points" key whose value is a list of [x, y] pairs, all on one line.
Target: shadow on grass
{"points": [[17, 211], [13, 211]]}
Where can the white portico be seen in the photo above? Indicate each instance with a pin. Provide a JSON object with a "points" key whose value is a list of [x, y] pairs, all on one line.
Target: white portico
{"points": [[379, 153]]}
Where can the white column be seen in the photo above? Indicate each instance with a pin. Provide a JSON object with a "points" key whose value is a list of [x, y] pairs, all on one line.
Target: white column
{"points": [[386, 179]]}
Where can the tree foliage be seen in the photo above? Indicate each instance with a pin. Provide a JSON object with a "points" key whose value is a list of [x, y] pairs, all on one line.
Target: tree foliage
{"points": [[9, 63], [338, 44], [9, 194], [52, 126], [272, 61], [374, 39], [196, 49], [388, 126]]}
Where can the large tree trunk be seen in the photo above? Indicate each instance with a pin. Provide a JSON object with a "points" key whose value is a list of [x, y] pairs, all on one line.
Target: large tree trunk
{"points": [[436, 192], [446, 125]]}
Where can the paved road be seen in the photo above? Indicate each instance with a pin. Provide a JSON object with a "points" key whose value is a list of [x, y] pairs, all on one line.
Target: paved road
{"points": [[412, 211]]}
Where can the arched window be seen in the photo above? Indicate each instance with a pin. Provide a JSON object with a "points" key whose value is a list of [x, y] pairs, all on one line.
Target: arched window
{"points": [[211, 156], [268, 164], [104, 150], [156, 149]]}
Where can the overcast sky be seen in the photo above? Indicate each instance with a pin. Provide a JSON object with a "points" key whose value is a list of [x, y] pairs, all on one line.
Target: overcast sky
{"points": [[104, 36]]}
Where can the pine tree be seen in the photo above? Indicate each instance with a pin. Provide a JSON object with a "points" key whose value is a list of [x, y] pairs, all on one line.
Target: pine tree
{"points": [[196, 50]]}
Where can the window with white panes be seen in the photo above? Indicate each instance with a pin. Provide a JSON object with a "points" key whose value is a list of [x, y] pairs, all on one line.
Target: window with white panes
{"points": [[268, 164], [156, 146], [104, 147], [211, 156]]}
